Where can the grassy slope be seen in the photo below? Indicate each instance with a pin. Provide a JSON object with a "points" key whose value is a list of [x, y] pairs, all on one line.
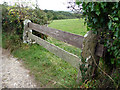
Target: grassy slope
{"points": [[47, 68]]}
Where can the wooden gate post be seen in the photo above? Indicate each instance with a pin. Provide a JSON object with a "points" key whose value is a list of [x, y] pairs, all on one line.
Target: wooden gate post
{"points": [[88, 55], [25, 31]]}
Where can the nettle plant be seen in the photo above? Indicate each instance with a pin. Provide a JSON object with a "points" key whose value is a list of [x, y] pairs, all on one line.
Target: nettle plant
{"points": [[103, 18]]}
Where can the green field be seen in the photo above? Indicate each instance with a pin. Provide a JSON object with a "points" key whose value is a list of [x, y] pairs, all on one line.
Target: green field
{"points": [[48, 69], [75, 26]]}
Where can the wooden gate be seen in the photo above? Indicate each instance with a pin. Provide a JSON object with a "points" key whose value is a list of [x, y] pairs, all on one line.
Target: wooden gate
{"points": [[73, 39]]}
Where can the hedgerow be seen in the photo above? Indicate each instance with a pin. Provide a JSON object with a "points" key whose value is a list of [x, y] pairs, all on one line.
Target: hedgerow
{"points": [[103, 18], [12, 21]]}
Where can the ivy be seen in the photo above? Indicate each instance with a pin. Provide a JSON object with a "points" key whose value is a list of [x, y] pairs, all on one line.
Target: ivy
{"points": [[104, 19]]}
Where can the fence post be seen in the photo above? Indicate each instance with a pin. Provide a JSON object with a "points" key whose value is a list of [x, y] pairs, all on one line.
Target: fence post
{"points": [[88, 52], [25, 31]]}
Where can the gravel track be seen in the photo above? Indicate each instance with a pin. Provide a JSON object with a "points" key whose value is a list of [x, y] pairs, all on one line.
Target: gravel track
{"points": [[14, 75]]}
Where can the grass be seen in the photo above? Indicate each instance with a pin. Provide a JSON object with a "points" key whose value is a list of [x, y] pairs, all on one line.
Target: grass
{"points": [[75, 26], [48, 69]]}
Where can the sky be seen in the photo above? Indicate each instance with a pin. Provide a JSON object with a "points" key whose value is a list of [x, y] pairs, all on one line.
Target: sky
{"points": [[57, 5], [53, 4]]}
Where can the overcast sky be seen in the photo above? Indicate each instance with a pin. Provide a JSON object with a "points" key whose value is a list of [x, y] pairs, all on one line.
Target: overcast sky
{"points": [[59, 5]]}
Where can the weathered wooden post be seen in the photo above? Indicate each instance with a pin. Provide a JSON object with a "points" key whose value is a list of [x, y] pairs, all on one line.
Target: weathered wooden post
{"points": [[25, 32], [88, 55]]}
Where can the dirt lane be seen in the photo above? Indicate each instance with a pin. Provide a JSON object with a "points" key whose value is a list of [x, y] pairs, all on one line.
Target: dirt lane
{"points": [[14, 75]]}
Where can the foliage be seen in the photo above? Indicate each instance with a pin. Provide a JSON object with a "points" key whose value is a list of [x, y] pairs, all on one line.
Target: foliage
{"points": [[13, 17], [56, 15], [103, 18], [11, 41]]}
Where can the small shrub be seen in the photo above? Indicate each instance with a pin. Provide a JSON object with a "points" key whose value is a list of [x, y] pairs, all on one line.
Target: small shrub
{"points": [[12, 21]]}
